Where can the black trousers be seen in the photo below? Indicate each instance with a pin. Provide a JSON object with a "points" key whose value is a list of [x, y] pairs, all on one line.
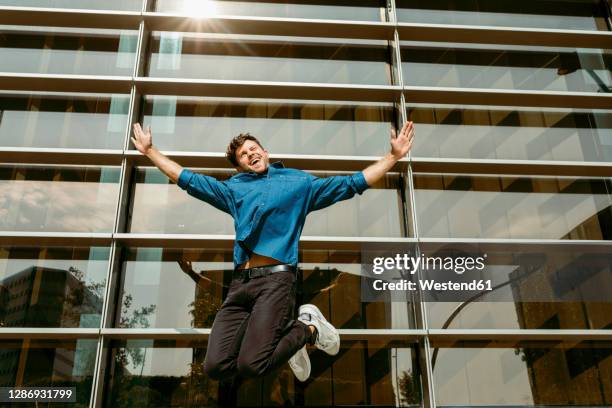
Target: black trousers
{"points": [[254, 331]]}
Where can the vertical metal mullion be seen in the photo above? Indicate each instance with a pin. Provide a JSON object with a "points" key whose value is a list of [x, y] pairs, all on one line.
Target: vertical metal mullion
{"points": [[420, 309], [418, 304], [120, 221]]}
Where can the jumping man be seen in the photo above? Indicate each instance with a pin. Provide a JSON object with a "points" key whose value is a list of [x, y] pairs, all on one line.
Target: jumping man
{"points": [[254, 331]]}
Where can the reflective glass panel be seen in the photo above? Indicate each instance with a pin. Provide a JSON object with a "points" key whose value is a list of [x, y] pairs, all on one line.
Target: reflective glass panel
{"points": [[490, 132], [160, 206], [292, 127], [58, 198], [147, 373], [151, 278], [450, 205], [52, 287], [127, 5], [48, 50], [369, 10], [508, 67], [535, 286], [223, 57], [523, 374], [49, 363], [63, 120], [556, 14]]}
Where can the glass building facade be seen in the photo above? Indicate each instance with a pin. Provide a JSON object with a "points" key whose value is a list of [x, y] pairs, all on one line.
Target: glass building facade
{"points": [[110, 275]]}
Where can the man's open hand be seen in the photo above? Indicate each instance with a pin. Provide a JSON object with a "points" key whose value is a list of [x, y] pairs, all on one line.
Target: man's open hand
{"points": [[142, 141], [401, 145]]}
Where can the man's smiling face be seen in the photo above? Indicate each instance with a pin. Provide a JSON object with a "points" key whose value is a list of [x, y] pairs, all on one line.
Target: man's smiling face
{"points": [[252, 157]]}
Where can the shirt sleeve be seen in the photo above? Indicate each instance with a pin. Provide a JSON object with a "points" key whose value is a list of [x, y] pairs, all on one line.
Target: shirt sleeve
{"points": [[207, 189], [329, 190]]}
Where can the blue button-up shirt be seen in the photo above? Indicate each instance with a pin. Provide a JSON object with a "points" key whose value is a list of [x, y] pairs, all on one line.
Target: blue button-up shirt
{"points": [[270, 209]]}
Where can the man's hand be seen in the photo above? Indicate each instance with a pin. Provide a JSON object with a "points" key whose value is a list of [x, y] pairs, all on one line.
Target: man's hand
{"points": [[185, 266], [142, 141], [401, 145]]}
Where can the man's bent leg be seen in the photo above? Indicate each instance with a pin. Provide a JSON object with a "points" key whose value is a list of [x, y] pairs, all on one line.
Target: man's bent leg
{"points": [[271, 337], [225, 339]]}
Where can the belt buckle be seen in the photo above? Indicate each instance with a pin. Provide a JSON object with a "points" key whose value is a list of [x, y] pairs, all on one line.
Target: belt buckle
{"points": [[248, 274], [241, 274]]}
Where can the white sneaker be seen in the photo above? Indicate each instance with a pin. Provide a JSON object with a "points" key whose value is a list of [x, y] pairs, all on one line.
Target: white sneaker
{"points": [[328, 338], [300, 364]]}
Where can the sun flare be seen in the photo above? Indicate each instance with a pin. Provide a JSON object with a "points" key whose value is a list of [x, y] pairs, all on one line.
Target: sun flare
{"points": [[200, 8]]}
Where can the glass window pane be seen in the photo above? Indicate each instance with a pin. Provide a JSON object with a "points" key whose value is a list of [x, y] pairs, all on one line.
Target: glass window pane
{"points": [[63, 120], [536, 286], [449, 205], [513, 67], [162, 207], [368, 10], [58, 198], [52, 287], [192, 55], [151, 278], [556, 14], [49, 363], [292, 127], [48, 50], [150, 373], [524, 374], [491, 132], [126, 5]]}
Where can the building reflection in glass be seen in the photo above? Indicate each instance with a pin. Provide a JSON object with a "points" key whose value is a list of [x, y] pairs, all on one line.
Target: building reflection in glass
{"points": [[523, 374], [49, 363], [62, 120], [52, 198], [475, 206], [52, 287], [148, 373], [517, 133], [151, 278], [513, 67]]}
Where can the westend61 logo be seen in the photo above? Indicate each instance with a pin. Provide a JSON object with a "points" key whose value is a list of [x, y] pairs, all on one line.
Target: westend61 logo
{"points": [[410, 263]]}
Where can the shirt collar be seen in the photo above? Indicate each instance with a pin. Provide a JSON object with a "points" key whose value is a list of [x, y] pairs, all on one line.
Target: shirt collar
{"points": [[276, 165]]}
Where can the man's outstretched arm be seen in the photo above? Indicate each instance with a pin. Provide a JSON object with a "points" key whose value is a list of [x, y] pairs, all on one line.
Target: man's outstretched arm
{"points": [[329, 190], [201, 186], [144, 143], [400, 146]]}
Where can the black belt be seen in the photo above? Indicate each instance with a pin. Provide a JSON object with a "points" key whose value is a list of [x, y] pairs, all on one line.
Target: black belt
{"points": [[259, 271]]}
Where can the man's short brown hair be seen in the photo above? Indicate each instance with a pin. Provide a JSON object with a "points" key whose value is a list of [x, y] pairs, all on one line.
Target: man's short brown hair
{"points": [[235, 144]]}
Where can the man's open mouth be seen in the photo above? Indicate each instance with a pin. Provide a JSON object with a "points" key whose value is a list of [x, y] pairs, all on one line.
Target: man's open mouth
{"points": [[254, 162]]}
